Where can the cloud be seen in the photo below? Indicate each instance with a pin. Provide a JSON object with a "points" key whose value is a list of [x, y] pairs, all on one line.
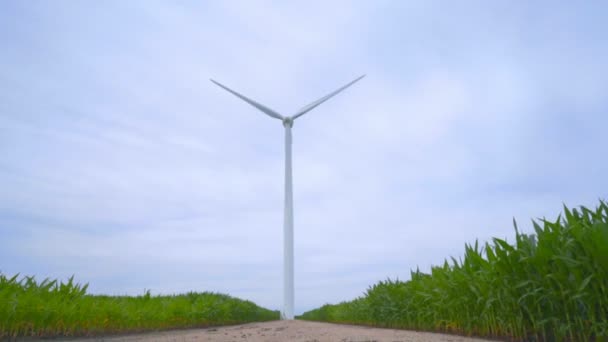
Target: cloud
{"points": [[121, 163]]}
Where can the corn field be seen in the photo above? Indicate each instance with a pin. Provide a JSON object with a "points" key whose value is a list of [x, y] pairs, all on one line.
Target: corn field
{"points": [[50, 308], [547, 286]]}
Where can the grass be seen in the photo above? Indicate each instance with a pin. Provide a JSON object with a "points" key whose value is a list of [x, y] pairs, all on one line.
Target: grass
{"points": [[51, 308], [547, 286]]}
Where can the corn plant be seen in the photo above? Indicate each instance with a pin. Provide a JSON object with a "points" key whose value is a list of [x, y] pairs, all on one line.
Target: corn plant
{"points": [[51, 308], [548, 286]]}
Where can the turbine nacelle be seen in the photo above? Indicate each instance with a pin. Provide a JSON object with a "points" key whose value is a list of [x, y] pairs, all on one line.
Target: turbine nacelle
{"points": [[288, 122]]}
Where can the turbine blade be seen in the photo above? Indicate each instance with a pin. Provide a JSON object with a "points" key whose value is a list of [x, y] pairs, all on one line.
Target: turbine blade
{"points": [[259, 106], [312, 105]]}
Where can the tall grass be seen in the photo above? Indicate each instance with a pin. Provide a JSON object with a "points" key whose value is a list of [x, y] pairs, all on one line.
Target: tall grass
{"points": [[51, 308], [548, 286]]}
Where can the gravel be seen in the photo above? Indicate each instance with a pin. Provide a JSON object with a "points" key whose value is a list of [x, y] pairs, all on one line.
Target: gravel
{"points": [[283, 331]]}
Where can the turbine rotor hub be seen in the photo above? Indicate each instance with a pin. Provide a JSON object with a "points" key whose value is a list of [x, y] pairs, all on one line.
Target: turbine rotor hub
{"points": [[288, 122]]}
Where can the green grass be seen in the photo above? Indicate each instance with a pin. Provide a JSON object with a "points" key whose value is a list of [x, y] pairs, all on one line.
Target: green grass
{"points": [[51, 308], [549, 286]]}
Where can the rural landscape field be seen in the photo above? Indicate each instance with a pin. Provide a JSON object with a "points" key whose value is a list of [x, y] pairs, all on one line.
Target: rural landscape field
{"points": [[550, 285], [52, 308], [303, 171]]}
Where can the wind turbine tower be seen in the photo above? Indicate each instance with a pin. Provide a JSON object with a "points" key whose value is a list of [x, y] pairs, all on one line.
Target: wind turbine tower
{"points": [[288, 286]]}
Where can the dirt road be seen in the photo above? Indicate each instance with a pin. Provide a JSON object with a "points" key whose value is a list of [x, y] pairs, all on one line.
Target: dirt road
{"points": [[284, 331]]}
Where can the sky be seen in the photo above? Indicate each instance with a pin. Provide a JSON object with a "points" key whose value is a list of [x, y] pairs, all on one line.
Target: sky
{"points": [[121, 164]]}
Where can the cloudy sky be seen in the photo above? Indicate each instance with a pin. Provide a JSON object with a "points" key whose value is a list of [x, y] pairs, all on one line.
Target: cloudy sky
{"points": [[122, 164]]}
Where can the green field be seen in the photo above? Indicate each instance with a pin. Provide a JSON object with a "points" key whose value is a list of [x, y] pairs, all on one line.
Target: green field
{"points": [[51, 308], [547, 286]]}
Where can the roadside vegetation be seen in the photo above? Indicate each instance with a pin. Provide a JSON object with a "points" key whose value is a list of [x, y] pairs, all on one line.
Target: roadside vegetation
{"points": [[547, 286], [51, 308]]}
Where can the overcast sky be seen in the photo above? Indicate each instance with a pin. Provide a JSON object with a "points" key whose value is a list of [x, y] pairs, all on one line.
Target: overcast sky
{"points": [[122, 164]]}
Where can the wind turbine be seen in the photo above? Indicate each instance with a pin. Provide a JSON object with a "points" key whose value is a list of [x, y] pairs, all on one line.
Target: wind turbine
{"points": [[288, 287]]}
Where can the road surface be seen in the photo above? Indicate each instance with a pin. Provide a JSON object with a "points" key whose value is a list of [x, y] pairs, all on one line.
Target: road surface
{"points": [[284, 331]]}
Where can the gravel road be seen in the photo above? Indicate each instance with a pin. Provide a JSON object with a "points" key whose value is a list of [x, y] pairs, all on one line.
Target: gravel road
{"points": [[284, 331]]}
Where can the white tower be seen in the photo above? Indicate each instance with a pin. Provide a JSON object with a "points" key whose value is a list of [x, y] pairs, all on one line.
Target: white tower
{"points": [[288, 283]]}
